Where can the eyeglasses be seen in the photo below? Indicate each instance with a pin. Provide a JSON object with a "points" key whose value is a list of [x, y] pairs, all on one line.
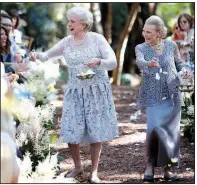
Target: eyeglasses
{"points": [[6, 25], [183, 22]]}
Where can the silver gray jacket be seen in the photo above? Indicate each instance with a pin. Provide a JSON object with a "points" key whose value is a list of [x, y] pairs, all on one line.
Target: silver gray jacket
{"points": [[154, 90]]}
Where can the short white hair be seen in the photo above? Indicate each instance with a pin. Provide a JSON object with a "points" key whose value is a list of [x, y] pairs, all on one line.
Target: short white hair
{"points": [[159, 24], [84, 15]]}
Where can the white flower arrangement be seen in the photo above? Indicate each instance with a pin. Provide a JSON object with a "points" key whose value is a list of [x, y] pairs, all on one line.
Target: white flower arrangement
{"points": [[24, 110], [45, 171], [46, 112], [33, 129], [40, 88], [186, 96], [25, 168], [41, 76], [40, 85], [49, 68], [190, 110]]}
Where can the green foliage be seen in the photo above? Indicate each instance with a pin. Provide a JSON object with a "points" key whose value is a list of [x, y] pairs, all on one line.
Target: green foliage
{"points": [[60, 158], [48, 125], [188, 120], [63, 75], [36, 156], [46, 22], [170, 11], [126, 79], [189, 129], [53, 138], [120, 13], [39, 103]]}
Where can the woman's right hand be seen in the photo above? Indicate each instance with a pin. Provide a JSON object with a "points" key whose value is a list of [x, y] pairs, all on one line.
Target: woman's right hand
{"points": [[154, 63], [33, 56]]}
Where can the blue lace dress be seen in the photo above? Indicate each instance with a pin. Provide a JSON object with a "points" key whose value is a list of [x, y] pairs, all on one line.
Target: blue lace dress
{"points": [[160, 95], [88, 109]]}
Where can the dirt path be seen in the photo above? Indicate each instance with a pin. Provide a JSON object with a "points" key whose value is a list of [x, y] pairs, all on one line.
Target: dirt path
{"points": [[123, 159]]}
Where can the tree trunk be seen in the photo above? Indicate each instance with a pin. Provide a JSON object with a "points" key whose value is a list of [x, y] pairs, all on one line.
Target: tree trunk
{"points": [[116, 75], [136, 38], [95, 9], [152, 8], [108, 24]]}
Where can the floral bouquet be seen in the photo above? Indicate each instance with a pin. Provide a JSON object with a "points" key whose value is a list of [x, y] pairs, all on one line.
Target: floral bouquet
{"points": [[32, 135], [186, 77]]}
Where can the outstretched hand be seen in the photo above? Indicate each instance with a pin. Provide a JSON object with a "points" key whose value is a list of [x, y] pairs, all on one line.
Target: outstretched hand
{"points": [[154, 63], [33, 56]]}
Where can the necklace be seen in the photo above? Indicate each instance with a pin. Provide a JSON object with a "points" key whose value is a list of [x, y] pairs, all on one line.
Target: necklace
{"points": [[157, 46], [79, 43]]}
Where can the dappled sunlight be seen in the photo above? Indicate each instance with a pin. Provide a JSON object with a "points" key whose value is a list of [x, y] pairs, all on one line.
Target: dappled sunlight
{"points": [[57, 103], [136, 137], [130, 133], [51, 46], [121, 105], [132, 126], [187, 175], [129, 175]]}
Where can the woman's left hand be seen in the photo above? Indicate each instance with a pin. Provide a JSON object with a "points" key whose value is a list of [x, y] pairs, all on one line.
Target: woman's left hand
{"points": [[93, 63], [187, 74]]}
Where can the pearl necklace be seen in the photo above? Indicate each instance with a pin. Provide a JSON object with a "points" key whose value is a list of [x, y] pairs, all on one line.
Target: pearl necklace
{"points": [[79, 43], [157, 46]]}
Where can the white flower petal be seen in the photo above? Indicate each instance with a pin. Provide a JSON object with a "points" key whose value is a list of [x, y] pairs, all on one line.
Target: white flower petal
{"points": [[132, 104], [157, 76]]}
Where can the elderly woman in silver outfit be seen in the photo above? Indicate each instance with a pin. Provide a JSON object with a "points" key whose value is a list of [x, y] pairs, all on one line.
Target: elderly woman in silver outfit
{"points": [[88, 109], [159, 94]]}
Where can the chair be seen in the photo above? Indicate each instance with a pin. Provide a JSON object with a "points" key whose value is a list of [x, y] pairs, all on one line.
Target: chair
{"points": [[27, 42]]}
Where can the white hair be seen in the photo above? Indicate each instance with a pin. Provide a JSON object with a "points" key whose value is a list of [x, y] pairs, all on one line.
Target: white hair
{"points": [[159, 23], [84, 15]]}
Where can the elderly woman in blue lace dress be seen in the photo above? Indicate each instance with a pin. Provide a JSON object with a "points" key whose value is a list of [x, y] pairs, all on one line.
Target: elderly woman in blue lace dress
{"points": [[88, 109], [159, 94]]}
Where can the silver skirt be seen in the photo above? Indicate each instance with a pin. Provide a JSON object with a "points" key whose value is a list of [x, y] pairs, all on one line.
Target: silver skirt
{"points": [[163, 134]]}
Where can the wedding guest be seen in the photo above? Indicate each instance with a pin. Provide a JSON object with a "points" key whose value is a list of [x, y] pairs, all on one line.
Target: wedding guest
{"points": [[159, 94], [88, 109]]}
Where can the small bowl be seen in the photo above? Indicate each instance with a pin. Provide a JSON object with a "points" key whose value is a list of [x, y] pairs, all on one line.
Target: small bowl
{"points": [[85, 76]]}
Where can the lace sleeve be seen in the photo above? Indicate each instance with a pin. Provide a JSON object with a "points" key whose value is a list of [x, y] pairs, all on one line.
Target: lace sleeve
{"points": [[55, 51], [177, 58], [108, 60], [140, 61]]}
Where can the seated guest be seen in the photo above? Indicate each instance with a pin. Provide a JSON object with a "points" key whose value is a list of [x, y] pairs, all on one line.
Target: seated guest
{"points": [[5, 51], [15, 23], [6, 22]]}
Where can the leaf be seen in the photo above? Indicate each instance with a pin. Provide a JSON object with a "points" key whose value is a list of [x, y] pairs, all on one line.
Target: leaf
{"points": [[59, 158], [53, 139]]}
